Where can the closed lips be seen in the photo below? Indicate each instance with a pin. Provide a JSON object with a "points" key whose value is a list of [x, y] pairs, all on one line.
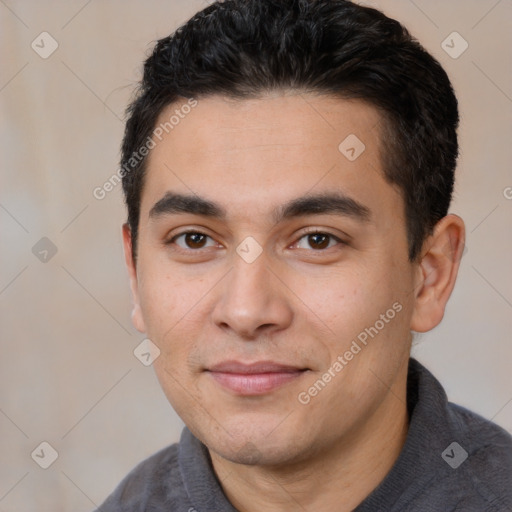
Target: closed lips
{"points": [[255, 378]]}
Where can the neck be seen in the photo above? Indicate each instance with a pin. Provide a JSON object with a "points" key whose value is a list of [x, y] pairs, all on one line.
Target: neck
{"points": [[337, 480]]}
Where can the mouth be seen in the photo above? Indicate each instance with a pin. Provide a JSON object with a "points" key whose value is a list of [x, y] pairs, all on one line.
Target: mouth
{"points": [[256, 378]]}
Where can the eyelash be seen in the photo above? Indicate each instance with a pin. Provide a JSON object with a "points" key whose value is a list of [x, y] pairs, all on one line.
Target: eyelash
{"points": [[306, 234]]}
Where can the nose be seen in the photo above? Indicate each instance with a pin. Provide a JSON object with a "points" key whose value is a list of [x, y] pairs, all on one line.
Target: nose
{"points": [[252, 300]]}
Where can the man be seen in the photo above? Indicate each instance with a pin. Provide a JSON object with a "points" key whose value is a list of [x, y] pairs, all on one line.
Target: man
{"points": [[288, 167]]}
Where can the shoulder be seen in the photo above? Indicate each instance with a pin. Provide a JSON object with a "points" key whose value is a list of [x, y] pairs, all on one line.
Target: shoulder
{"points": [[155, 480], [460, 460], [479, 431], [489, 445], [480, 457]]}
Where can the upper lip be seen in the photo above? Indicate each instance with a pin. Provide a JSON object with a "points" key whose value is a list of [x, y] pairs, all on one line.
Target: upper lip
{"points": [[253, 368]]}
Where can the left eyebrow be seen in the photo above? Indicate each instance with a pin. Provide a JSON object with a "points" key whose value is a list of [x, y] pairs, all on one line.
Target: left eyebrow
{"points": [[327, 203]]}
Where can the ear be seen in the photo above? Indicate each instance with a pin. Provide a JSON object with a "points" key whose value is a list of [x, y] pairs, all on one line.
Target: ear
{"points": [[437, 272], [137, 318]]}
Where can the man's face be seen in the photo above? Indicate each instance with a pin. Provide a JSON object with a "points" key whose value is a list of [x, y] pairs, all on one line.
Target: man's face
{"points": [[252, 314]]}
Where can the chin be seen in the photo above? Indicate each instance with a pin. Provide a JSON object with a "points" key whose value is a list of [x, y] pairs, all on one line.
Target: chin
{"points": [[255, 446], [256, 454]]}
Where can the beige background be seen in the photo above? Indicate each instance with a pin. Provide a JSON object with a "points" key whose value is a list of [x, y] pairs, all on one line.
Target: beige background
{"points": [[68, 375]]}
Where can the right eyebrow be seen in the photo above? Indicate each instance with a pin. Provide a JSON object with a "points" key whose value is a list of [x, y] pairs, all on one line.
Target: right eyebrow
{"points": [[180, 203]]}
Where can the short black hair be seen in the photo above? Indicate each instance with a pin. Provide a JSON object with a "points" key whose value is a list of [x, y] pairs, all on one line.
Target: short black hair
{"points": [[245, 48]]}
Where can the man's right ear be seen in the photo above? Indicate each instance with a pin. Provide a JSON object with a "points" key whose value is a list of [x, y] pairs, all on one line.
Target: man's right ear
{"points": [[137, 318]]}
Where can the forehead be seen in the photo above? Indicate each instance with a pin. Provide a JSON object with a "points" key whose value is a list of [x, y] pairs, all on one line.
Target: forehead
{"points": [[222, 124], [254, 154]]}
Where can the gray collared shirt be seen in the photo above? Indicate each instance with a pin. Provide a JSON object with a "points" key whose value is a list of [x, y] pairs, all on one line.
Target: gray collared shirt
{"points": [[453, 460]]}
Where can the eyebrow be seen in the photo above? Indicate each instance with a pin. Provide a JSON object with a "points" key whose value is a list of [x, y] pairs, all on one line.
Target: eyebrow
{"points": [[318, 204]]}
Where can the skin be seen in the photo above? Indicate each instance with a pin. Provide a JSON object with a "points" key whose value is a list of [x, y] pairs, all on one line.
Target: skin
{"points": [[300, 302]]}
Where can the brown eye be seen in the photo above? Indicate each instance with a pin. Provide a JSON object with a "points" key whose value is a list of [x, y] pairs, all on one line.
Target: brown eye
{"points": [[318, 241], [192, 240], [195, 240]]}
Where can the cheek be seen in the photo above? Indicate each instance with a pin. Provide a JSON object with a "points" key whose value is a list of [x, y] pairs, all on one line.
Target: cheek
{"points": [[173, 307], [159, 306], [167, 298], [353, 301], [343, 299]]}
